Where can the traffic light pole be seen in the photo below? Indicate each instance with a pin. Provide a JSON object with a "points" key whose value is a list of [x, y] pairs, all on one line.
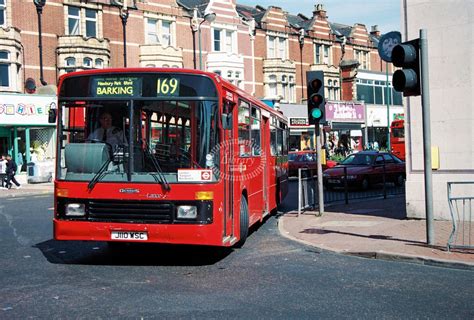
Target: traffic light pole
{"points": [[425, 107], [319, 147]]}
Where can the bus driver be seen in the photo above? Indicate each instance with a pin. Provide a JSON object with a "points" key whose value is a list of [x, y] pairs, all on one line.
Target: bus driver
{"points": [[108, 133]]}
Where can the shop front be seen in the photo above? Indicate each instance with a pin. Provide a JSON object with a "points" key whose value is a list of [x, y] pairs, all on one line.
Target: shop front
{"points": [[344, 132], [24, 129]]}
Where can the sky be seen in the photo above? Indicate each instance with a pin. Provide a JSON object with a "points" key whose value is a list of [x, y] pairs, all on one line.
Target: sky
{"points": [[384, 13]]}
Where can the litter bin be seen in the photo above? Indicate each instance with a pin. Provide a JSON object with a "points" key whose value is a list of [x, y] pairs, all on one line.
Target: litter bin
{"points": [[40, 171]]}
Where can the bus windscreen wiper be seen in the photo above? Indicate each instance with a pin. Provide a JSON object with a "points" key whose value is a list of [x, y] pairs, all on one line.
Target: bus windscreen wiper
{"points": [[161, 176], [99, 175]]}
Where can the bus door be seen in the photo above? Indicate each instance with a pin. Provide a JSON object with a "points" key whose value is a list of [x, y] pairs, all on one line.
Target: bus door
{"points": [[228, 172], [265, 138]]}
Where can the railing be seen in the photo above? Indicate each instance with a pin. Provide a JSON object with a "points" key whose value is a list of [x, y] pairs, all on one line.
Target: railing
{"points": [[461, 213], [308, 191]]}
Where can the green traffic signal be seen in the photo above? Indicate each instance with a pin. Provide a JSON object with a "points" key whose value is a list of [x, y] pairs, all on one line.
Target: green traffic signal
{"points": [[316, 113]]}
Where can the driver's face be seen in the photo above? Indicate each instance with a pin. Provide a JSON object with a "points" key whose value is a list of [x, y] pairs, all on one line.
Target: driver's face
{"points": [[105, 121]]}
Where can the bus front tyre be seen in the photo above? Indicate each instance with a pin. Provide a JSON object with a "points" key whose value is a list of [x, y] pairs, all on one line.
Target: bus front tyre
{"points": [[244, 222]]}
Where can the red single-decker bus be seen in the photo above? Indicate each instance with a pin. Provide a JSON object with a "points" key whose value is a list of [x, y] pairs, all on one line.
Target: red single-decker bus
{"points": [[165, 156]]}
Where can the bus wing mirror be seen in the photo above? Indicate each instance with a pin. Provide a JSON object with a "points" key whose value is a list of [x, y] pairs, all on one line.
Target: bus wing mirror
{"points": [[227, 121], [52, 116]]}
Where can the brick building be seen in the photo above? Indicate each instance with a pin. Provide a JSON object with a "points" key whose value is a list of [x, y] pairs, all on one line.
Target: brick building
{"points": [[265, 51]]}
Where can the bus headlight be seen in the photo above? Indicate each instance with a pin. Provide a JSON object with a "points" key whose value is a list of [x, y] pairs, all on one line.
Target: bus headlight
{"points": [[75, 210], [187, 212]]}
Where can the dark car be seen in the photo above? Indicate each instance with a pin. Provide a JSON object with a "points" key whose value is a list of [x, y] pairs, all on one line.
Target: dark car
{"points": [[305, 160], [366, 168]]}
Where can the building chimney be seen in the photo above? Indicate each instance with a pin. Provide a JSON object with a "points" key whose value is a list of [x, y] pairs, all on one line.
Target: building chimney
{"points": [[319, 11], [374, 30]]}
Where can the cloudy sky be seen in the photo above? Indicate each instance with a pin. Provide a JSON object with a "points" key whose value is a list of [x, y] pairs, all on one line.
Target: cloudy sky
{"points": [[384, 13]]}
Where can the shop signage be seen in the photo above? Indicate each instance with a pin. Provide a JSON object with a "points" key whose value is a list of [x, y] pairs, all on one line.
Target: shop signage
{"points": [[345, 112], [25, 109], [299, 122]]}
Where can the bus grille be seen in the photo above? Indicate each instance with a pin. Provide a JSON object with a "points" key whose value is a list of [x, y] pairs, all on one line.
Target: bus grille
{"points": [[130, 211]]}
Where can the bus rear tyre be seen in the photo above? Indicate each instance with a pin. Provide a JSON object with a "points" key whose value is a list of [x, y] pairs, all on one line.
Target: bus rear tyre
{"points": [[244, 222]]}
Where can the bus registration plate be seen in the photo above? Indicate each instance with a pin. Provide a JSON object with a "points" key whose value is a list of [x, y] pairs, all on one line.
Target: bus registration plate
{"points": [[129, 235]]}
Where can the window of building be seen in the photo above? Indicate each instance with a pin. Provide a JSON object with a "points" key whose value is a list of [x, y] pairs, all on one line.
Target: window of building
{"points": [[217, 40], [99, 63], [277, 47], [291, 97], [282, 48], [271, 47], [375, 92], [3, 18], [76, 26], [362, 57], [166, 33], [218, 72], [272, 85], [159, 31], [322, 54], [223, 40], [70, 62], [152, 31], [4, 69], [228, 41], [91, 23], [73, 20], [87, 62]]}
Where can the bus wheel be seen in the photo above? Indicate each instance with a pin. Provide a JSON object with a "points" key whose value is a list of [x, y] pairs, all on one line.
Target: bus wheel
{"points": [[244, 222]]}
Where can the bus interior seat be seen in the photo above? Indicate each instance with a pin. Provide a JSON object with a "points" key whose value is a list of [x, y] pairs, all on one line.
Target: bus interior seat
{"points": [[85, 157]]}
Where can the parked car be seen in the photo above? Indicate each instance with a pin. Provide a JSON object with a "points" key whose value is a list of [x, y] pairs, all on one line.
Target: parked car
{"points": [[366, 168], [307, 160]]}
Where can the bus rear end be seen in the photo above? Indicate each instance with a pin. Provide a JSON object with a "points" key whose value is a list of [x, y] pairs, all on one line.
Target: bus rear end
{"points": [[151, 174]]}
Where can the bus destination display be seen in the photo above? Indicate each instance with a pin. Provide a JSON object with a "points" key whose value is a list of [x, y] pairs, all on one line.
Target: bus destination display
{"points": [[116, 87]]}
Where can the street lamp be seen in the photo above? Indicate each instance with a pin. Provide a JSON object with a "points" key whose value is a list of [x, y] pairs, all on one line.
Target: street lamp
{"points": [[209, 17], [124, 17], [39, 10], [301, 42]]}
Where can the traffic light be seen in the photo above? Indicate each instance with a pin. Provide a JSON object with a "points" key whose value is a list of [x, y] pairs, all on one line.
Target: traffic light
{"points": [[407, 56], [315, 94]]}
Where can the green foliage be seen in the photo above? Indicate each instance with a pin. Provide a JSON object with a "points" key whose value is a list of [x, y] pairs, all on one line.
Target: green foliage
{"points": [[337, 157]]}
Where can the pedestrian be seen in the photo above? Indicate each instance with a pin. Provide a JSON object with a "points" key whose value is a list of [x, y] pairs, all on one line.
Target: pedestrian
{"points": [[3, 170], [11, 172]]}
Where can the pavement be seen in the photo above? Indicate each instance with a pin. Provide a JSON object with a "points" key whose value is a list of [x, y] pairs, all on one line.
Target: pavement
{"points": [[26, 188], [374, 229]]}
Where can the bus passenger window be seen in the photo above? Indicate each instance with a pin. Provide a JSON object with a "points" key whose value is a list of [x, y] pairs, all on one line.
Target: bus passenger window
{"points": [[244, 129]]}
